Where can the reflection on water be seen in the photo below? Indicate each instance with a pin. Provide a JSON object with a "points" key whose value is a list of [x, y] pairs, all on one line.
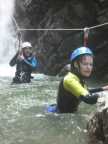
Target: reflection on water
{"points": [[24, 120]]}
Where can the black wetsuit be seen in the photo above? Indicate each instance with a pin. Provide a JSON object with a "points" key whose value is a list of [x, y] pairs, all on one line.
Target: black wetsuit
{"points": [[68, 101], [24, 68]]}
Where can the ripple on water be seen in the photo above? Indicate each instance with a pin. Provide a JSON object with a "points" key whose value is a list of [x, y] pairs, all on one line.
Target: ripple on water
{"points": [[24, 120]]}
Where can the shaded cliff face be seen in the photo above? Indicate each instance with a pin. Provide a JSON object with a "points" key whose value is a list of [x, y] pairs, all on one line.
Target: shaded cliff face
{"points": [[54, 47]]}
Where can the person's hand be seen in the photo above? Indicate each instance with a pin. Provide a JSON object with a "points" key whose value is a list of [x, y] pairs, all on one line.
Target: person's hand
{"points": [[105, 87], [20, 57]]}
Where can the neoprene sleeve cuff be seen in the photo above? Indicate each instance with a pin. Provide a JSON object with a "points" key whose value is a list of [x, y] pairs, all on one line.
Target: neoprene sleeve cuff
{"points": [[94, 90], [90, 99]]}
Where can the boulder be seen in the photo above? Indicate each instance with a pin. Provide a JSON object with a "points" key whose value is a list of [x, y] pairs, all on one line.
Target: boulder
{"points": [[98, 125]]}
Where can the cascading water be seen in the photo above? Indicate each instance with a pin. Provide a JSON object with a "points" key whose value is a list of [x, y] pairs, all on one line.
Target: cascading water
{"points": [[7, 36]]}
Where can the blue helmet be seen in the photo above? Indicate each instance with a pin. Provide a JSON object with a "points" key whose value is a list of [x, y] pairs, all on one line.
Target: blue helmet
{"points": [[80, 51]]}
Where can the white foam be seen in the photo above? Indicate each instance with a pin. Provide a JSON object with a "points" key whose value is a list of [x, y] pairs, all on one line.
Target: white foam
{"points": [[7, 37], [6, 70], [102, 101]]}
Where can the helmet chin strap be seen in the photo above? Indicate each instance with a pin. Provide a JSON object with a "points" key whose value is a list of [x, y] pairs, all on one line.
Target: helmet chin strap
{"points": [[77, 67]]}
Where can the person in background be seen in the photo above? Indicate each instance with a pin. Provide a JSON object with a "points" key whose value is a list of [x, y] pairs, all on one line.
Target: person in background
{"points": [[72, 88], [25, 62]]}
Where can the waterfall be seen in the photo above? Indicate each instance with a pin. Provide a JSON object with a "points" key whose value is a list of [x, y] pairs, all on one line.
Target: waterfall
{"points": [[7, 36]]}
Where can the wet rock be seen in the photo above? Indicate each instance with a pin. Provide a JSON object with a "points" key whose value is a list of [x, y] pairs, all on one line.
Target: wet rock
{"points": [[98, 128], [98, 125]]}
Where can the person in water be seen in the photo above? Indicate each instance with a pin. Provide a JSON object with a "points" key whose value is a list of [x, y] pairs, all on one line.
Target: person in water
{"points": [[72, 88], [25, 63]]}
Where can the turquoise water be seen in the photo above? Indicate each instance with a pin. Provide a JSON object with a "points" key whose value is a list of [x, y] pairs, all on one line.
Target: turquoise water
{"points": [[24, 120]]}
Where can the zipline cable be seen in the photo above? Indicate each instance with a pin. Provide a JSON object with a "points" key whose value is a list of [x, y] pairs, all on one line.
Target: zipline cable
{"points": [[18, 33], [86, 31], [45, 29], [97, 26], [62, 29]]}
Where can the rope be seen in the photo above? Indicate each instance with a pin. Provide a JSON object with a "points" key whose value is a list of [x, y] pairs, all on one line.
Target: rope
{"points": [[86, 34], [17, 27], [85, 30], [18, 33], [97, 26], [61, 29], [57, 29]]}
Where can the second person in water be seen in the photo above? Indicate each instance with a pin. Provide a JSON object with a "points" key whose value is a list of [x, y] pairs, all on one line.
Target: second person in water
{"points": [[25, 63]]}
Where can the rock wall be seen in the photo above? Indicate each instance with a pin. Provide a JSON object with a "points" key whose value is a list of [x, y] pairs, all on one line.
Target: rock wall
{"points": [[54, 47]]}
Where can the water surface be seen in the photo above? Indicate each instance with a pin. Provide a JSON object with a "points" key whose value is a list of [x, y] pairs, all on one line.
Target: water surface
{"points": [[24, 120]]}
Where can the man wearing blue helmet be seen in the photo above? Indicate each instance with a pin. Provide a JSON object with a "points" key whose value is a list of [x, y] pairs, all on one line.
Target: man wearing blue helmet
{"points": [[72, 89]]}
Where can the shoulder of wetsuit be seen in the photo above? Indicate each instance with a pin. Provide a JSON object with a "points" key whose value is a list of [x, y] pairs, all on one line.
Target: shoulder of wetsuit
{"points": [[72, 84], [72, 76]]}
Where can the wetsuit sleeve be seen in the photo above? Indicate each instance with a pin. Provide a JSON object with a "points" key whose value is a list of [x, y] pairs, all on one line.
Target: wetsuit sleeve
{"points": [[92, 98], [13, 61], [94, 90], [72, 84], [89, 99], [33, 63]]}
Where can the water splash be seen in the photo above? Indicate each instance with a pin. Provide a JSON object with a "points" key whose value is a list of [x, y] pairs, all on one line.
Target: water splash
{"points": [[7, 34], [6, 70], [102, 101]]}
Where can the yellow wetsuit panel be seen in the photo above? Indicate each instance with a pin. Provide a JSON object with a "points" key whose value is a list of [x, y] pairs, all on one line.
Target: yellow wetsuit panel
{"points": [[72, 84]]}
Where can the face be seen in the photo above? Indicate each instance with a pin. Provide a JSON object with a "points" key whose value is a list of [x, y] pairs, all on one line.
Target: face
{"points": [[27, 51], [86, 65]]}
